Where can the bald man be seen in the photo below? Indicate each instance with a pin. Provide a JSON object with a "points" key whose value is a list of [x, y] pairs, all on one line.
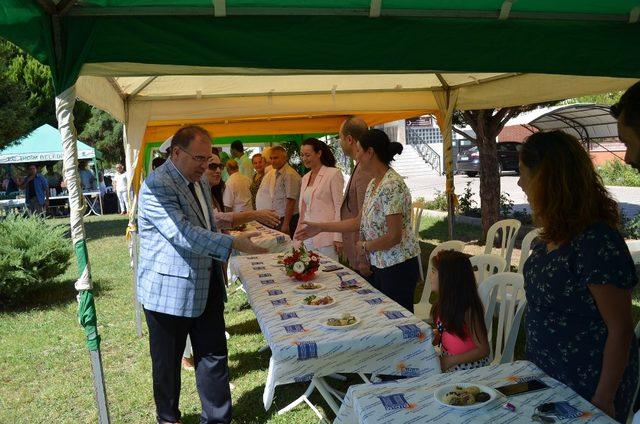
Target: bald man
{"points": [[350, 132], [237, 191]]}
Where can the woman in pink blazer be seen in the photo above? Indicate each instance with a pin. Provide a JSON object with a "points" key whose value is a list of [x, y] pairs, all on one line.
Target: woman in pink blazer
{"points": [[321, 195]]}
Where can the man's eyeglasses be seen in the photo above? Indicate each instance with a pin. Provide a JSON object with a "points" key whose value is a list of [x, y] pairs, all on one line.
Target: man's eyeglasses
{"points": [[199, 159], [214, 166]]}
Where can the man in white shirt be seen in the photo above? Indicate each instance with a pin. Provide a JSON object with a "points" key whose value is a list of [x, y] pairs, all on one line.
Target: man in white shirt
{"points": [[120, 186], [237, 192], [280, 191], [244, 163]]}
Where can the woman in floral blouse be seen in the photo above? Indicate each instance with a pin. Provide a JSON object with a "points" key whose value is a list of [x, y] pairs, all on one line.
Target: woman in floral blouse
{"points": [[579, 278], [384, 222]]}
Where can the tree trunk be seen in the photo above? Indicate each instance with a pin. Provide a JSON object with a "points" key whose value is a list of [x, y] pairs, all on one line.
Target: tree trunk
{"points": [[489, 181]]}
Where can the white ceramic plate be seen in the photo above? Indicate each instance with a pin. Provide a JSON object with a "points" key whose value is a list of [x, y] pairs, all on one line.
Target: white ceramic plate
{"points": [[314, 307], [323, 323], [442, 391], [299, 289]]}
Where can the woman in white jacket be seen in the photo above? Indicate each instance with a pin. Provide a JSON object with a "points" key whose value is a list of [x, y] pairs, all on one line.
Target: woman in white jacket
{"points": [[321, 194]]}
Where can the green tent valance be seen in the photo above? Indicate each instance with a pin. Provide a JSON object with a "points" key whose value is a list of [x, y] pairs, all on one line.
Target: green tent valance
{"points": [[572, 37]]}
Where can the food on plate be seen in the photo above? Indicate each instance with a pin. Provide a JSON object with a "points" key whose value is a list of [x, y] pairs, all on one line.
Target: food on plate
{"points": [[314, 300], [309, 286], [464, 396], [346, 319]]}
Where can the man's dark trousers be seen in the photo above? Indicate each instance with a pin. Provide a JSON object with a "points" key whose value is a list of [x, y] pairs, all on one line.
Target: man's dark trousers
{"points": [[167, 339]]}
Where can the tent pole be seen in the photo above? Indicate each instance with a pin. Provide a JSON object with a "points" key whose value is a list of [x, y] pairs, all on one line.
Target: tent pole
{"points": [[446, 104], [86, 306]]}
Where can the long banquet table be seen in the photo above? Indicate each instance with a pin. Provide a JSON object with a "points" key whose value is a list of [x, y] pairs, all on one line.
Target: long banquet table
{"points": [[412, 400], [388, 340]]}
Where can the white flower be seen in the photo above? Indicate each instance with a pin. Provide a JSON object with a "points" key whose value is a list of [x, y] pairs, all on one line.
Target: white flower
{"points": [[306, 260], [314, 258], [298, 267]]}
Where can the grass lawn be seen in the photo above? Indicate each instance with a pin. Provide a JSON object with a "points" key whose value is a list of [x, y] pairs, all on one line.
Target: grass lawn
{"points": [[45, 374]]}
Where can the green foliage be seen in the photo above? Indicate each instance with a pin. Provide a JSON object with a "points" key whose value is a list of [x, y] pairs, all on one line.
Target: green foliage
{"points": [[600, 99], [523, 216], [617, 173], [293, 151], [630, 227], [32, 253], [104, 133], [439, 203], [466, 203], [36, 81], [15, 115], [506, 205]]}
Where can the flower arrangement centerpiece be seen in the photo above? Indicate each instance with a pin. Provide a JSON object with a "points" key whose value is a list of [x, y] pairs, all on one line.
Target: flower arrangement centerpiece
{"points": [[301, 264]]}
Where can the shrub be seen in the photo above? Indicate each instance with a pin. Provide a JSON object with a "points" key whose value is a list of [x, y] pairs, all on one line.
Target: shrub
{"points": [[439, 203], [617, 173], [466, 204], [506, 205], [630, 227], [523, 216], [32, 253]]}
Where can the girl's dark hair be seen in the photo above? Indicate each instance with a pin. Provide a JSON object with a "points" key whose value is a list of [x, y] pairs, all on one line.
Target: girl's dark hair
{"points": [[379, 141], [458, 298], [566, 193], [628, 107], [326, 157]]}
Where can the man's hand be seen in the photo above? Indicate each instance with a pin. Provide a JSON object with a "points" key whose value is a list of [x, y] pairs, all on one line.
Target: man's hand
{"points": [[338, 246], [244, 244], [309, 230], [267, 217]]}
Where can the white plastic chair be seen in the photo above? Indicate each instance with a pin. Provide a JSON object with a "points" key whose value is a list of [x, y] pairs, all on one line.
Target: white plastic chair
{"points": [[486, 265], [416, 216], [509, 229], [423, 307], [509, 286], [525, 251]]}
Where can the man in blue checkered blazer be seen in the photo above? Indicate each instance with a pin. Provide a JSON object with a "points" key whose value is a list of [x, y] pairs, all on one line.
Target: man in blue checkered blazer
{"points": [[180, 281]]}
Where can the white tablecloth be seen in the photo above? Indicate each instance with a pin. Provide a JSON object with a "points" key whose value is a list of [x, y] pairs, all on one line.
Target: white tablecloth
{"points": [[412, 401], [389, 340], [273, 240]]}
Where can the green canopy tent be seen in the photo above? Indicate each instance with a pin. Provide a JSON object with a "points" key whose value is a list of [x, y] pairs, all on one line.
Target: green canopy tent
{"points": [[131, 58], [43, 145]]}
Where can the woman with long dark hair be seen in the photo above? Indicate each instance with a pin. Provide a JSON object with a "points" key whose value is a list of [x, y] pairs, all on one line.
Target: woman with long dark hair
{"points": [[578, 279], [386, 235], [458, 313], [321, 194]]}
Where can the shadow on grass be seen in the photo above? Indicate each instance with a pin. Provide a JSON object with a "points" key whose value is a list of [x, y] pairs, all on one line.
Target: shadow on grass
{"points": [[106, 228], [247, 362], [246, 327], [48, 296]]}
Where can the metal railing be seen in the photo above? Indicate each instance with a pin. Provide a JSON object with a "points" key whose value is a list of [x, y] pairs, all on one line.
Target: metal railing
{"points": [[426, 152]]}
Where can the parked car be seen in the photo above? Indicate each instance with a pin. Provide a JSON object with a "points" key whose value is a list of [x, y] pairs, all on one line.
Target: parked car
{"points": [[468, 161]]}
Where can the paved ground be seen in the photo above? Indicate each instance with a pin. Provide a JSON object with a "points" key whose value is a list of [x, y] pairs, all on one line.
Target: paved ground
{"points": [[628, 197]]}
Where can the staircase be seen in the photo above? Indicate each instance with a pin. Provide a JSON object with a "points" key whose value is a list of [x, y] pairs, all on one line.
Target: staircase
{"points": [[410, 164]]}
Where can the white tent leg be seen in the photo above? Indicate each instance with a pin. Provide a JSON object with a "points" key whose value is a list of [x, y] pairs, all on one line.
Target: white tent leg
{"points": [[447, 101], [86, 311]]}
